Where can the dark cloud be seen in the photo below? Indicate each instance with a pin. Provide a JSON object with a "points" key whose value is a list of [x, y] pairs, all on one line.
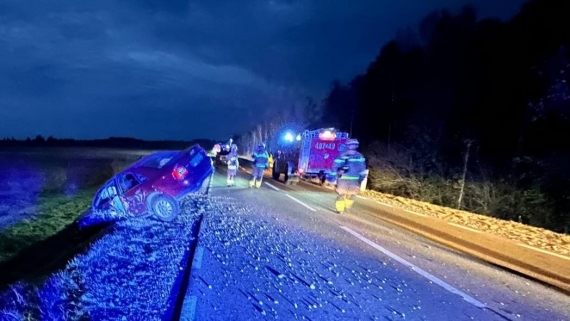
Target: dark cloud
{"points": [[182, 69]]}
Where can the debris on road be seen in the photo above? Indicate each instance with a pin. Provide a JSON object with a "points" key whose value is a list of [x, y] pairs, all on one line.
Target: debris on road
{"points": [[258, 267]]}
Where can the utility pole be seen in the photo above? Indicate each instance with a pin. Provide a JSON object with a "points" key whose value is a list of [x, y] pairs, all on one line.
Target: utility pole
{"points": [[460, 198]]}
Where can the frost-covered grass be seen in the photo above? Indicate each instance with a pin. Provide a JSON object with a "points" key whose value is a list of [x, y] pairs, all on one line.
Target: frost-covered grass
{"points": [[44, 190], [128, 274], [55, 212]]}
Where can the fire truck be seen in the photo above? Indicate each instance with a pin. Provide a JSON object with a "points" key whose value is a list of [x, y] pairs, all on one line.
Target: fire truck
{"points": [[309, 155]]}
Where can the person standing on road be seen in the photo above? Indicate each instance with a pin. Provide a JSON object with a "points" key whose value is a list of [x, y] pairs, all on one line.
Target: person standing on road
{"points": [[260, 164], [351, 171], [233, 165]]}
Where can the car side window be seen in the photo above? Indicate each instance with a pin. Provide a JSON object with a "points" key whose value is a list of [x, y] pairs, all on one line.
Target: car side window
{"points": [[128, 181]]}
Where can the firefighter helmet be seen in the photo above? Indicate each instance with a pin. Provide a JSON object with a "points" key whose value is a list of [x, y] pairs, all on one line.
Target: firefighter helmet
{"points": [[261, 145]]}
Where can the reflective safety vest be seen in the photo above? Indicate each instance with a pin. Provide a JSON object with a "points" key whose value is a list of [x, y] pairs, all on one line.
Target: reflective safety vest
{"points": [[233, 161], [353, 166], [260, 160]]}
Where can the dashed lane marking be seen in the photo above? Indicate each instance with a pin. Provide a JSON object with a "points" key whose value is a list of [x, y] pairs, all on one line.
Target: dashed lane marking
{"points": [[272, 186], [305, 205], [418, 270], [291, 197]]}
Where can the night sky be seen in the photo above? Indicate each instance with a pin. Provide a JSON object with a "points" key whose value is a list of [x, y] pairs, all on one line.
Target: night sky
{"points": [[156, 69]]}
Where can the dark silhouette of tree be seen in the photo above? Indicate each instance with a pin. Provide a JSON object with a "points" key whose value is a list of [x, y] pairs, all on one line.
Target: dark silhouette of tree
{"points": [[502, 85]]}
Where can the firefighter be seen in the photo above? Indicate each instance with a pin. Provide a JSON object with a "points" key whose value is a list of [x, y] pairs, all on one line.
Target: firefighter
{"points": [[351, 171], [260, 164], [233, 164]]}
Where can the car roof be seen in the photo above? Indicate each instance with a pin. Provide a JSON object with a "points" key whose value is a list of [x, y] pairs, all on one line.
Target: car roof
{"points": [[138, 163], [156, 155], [175, 155]]}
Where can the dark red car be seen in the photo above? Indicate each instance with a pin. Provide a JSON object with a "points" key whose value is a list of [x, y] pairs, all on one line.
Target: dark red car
{"points": [[153, 185]]}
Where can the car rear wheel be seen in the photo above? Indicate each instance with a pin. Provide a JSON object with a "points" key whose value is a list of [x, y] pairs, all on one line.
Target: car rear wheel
{"points": [[165, 208]]}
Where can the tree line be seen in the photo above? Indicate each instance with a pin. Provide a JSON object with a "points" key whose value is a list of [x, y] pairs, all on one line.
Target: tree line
{"points": [[111, 142], [465, 112]]}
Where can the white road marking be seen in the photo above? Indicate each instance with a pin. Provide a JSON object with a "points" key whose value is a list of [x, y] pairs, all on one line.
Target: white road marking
{"points": [[421, 272], [384, 204], [197, 262], [545, 252], [305, 205], [188, 312], [465, 228], [272, 186], [377, 202], [418, 214]]}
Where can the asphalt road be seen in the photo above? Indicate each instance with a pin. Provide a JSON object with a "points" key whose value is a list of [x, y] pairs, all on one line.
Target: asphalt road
{"points": [[413, 278]]}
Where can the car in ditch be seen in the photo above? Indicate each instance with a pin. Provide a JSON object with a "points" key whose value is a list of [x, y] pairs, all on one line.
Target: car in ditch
{"points": [[152, 186]]}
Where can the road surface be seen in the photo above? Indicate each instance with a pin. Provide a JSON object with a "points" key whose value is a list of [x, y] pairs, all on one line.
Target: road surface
{"points": [[281, 252]]}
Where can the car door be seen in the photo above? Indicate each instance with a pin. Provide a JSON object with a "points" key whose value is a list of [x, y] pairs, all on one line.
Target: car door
{"points": [[132, 195]]}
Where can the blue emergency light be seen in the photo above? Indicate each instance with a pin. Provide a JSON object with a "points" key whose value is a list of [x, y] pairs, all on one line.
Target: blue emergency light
{"points": [[288, 137]]}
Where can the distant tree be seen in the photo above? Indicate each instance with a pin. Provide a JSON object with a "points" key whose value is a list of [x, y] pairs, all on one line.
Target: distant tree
{"points": [[39, 139], [339, 106]]}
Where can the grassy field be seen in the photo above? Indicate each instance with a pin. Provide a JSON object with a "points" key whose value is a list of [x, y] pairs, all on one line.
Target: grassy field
{"points": [[54, 213], [48, 188]]}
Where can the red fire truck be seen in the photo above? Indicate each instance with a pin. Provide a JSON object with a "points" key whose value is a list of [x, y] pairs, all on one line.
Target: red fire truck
{"points": [[309, 155]]}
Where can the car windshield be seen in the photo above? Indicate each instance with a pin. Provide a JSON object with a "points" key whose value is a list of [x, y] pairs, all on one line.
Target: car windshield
{"points": [[106, 194]]}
